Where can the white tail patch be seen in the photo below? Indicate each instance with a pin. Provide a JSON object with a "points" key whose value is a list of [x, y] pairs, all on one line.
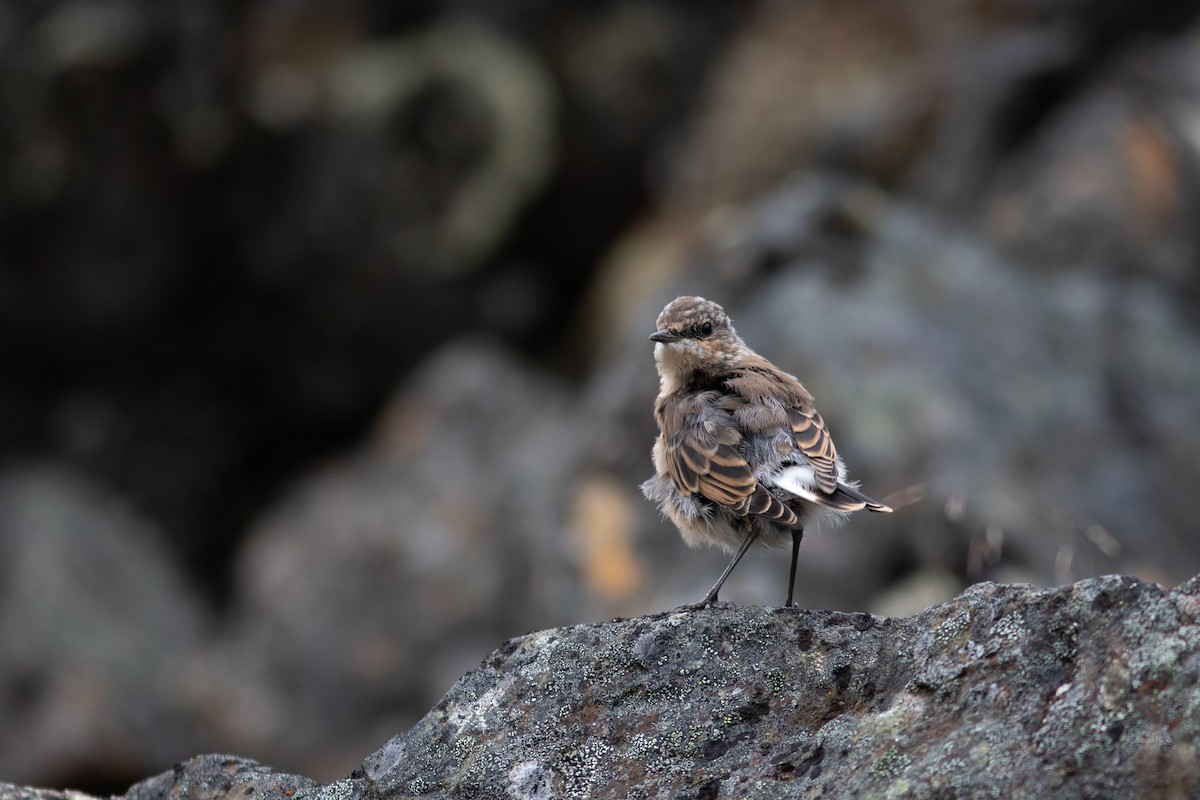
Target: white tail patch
{"points": [[798, 480]]}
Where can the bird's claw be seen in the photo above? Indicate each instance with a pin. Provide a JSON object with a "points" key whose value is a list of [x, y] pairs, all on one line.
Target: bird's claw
{"points": [[708, 602]]}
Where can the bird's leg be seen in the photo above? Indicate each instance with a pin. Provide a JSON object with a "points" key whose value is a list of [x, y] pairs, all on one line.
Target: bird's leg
{"points": [[751, 535], [797, 535]]}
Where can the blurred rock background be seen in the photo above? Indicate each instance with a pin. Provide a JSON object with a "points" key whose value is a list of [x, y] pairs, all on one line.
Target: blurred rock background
{"points": [[325, 365]]}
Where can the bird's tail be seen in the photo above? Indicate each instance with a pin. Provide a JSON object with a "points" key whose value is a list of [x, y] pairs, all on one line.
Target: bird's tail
{"points": [[848, 498]]}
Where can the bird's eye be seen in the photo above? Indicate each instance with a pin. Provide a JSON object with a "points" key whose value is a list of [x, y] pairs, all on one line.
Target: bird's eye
{"points": [[706, 329]]}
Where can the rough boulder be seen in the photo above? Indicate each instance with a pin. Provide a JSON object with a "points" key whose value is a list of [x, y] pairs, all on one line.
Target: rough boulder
{"points": [[1087, 690]]}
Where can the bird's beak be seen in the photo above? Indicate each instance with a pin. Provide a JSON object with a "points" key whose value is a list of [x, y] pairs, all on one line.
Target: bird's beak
{"points": [[663, 337]]}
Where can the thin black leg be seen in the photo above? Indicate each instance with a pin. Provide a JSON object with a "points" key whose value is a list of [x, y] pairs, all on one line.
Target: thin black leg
{"points": [[751, 535], [797, 535]]}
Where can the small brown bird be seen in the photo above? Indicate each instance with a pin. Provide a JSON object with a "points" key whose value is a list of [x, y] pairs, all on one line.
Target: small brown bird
{"points": [[741, 454]]}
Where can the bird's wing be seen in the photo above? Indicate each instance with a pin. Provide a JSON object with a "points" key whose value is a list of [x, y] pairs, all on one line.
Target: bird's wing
{"points": [[701, 465], [758, 381], [708, 463], [808, 429]]}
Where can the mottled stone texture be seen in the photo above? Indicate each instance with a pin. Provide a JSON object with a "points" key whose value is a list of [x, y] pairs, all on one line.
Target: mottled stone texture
{"points": [[1083, 691], [1006, 691], [219, 776]]}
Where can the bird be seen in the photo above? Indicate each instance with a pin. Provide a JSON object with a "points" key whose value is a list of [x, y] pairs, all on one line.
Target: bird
{"points": [[742, 455]]}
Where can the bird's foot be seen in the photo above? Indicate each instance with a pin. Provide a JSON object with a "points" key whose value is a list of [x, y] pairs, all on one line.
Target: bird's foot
{"points": [[709, 601]]}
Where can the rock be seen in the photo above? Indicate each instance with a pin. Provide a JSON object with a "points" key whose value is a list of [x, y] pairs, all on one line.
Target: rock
{"points": [[99, 627], [1082, 691], [209, 776], [1088, 690], [11, 792], [225, 776]]}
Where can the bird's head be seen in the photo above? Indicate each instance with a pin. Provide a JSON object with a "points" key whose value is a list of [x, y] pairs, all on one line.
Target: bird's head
{"points": [[694, 335]]}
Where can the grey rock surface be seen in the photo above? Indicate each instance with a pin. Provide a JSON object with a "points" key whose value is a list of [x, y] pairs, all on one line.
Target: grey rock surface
{"points": [[1088, 690], [224, 776]]}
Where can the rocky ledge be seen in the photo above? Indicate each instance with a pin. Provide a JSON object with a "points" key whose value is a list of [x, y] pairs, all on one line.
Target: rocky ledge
{"points": [[1088, 690]]}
